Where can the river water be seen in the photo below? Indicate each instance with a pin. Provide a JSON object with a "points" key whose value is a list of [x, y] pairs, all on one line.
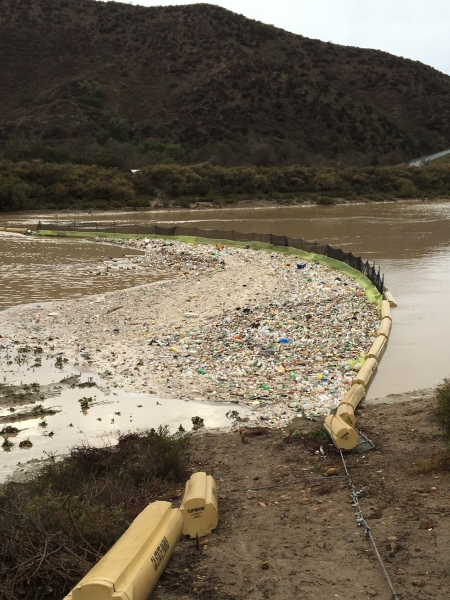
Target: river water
{"points": [[39, 269], [409, 240]]}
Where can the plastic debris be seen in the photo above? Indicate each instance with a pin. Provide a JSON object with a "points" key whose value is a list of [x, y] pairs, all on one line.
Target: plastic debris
{"points": [[282, 337]]}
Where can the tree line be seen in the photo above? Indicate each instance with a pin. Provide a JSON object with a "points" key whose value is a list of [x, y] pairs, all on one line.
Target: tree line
{"points": [[36, 185]]}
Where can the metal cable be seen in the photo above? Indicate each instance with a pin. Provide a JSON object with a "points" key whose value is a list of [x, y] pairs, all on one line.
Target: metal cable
{"points": [[355, 494]]}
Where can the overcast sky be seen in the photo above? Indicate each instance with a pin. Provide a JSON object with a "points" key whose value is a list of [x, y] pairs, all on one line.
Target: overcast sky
{"points": [[415, 29]]}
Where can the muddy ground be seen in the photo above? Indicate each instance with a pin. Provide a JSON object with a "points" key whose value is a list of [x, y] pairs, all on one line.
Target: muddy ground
{"points": [[278, 507]]}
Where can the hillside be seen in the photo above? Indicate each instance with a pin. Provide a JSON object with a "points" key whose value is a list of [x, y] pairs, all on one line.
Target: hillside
{"points": [[199, 83]]}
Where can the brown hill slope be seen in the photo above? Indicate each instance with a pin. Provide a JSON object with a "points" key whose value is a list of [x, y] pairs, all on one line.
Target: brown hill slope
{"points": [[198, 82]]}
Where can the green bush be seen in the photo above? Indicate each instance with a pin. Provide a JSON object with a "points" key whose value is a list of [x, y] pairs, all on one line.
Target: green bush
{"points": [[13, 193], [443, 406], [158, 150], [319, 435], [108, 159]]}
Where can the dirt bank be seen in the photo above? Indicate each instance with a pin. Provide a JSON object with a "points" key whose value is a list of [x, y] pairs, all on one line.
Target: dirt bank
{"points": [[276, 506]]}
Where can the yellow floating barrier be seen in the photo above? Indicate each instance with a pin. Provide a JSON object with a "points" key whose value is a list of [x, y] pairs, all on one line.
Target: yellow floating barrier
{"points": [[344, 436], [341, 426], [354, 395], [385, 310], [390, 298], [347, 413], [13, 230], [385, 327], [133, 566], [366, 372], [347, 406], [199, 508], [378, 347]]}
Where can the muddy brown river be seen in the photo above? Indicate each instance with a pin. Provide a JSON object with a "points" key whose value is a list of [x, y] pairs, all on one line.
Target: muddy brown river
{"points": [[409, 240]]}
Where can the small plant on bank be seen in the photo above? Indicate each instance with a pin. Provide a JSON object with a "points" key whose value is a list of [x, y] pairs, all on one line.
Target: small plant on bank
{"points": [[9, 429], [197, 422], [440, 461], [7, 443], [85, 402], [319, 435], [443, 407], [26, 443]]}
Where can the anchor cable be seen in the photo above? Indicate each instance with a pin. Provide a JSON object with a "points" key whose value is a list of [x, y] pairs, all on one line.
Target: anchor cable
{"points": [[360, 520]]}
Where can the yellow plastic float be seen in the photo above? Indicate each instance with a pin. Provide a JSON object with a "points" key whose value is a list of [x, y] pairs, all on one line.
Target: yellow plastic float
{"points": [[348, 404], [366, 372], [390, 298], [385, 327], [378, 347], [385, 310], [199, 508], [133, 566], [343, 435]]}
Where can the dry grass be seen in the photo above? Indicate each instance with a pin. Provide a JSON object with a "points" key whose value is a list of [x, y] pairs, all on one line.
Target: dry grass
{"points": [[56, 527], [438, 462]]}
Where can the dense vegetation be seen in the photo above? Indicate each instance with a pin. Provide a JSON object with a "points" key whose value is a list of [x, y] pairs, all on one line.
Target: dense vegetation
{"points": [[54, 528], [209, 105], [114, 84], [38, 185]]}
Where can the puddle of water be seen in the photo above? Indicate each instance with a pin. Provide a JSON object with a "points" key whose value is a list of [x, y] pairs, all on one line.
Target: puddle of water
{"points": [[100, 424], [23, 368], [109, 412]]}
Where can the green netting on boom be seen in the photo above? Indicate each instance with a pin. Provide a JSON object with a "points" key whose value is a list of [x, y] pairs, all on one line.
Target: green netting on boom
{"points": [[365, 274]]}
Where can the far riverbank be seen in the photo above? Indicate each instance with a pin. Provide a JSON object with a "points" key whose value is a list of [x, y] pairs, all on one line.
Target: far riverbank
{"points": [[39, 185]]}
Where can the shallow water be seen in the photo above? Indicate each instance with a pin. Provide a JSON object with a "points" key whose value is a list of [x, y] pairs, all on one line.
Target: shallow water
{"points": [[38, 269], [111, 411], [409, 240]]}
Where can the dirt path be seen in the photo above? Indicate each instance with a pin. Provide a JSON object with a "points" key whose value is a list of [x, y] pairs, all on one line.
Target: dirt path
{"points": [[305, 529]]}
